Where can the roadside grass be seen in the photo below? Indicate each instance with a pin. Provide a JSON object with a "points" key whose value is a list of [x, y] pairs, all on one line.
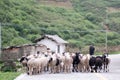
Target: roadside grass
{"points": [[117, 52], [1, 64], [110, 53], [9, 75]]}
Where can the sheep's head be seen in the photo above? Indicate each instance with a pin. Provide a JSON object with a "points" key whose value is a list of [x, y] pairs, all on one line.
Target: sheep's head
{"points": [[24, 61]]}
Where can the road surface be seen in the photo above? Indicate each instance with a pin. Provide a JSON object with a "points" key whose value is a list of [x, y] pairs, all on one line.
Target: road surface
{"points": [[113, 74]]}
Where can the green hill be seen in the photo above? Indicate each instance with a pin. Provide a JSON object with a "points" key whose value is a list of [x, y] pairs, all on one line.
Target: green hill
{"points": [[101, 11], [25, 20]]}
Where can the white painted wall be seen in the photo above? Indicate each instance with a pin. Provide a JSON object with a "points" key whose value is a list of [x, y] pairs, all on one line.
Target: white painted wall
{"points": [[52, 45], [62, 48], [49, 43]]}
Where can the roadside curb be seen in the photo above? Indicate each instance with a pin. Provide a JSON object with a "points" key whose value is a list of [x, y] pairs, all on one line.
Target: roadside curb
{"points": [[20, 77]]}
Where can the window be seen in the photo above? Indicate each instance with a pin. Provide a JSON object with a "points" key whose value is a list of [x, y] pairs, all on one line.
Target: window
{"points": [[58, 49]]}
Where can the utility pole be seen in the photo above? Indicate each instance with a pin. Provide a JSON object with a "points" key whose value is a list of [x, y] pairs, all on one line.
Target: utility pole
{"points": [[106, 31], [106, 46], [0, 41]]}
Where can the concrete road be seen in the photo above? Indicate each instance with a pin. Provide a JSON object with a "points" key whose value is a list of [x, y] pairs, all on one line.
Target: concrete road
{"points": [[113, 74]]}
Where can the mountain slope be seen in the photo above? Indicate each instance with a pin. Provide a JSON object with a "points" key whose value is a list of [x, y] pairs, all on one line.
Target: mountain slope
{"points": [[24, 21], [101, 11]]}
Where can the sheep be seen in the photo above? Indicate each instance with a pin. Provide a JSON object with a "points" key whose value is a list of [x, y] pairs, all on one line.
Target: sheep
{"points": [[106, 62], [31, 56], [76, 62], [44, 62], [23, 60], [67, 62], [62, 64], [84, 63], [26, 61], [32, 63], [96, 63], [54, 63]]}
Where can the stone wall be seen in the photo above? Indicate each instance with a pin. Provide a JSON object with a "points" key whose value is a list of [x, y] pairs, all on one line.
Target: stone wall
{"points": [[11, 53], [14, 53]]}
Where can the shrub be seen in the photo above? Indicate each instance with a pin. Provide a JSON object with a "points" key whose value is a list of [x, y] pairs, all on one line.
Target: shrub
{"points": [[8, 66]]}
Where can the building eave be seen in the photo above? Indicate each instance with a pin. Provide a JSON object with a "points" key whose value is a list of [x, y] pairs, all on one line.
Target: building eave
{"points": [[51, 38]]}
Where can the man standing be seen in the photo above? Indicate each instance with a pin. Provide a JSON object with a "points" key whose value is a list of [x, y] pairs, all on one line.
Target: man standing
{"points": [[91, 50]]}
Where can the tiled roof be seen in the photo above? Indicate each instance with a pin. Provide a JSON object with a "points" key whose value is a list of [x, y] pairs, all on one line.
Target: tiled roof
{"points": [[55, 38]]}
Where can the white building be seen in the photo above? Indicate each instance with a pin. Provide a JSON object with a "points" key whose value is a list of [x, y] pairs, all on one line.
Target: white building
{"points": [[53, 42]]}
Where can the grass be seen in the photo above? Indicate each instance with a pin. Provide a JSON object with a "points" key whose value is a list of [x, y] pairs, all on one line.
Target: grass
{"points": [[99, 53], [117, 52], [9, 75], [1, 64]]}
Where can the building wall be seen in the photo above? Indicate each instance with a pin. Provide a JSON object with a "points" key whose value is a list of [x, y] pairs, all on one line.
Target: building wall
{"points": [[33, 49], [52, 45], [27, 50], [11, 54], [49, 43], [40, 48], [17, 52], [62, 48]]}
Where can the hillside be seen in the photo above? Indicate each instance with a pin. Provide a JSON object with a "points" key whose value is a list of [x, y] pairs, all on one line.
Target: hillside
{"points": [[25, 21], [57, 3], [101, 11]]}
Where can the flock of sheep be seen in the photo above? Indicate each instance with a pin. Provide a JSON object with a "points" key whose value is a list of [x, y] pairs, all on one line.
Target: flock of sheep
{"points": [[57, 63]]}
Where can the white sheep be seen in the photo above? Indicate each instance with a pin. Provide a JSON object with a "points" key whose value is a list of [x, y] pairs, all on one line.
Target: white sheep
{"points": [[54, 63], [68, 62], [85, 63]]}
